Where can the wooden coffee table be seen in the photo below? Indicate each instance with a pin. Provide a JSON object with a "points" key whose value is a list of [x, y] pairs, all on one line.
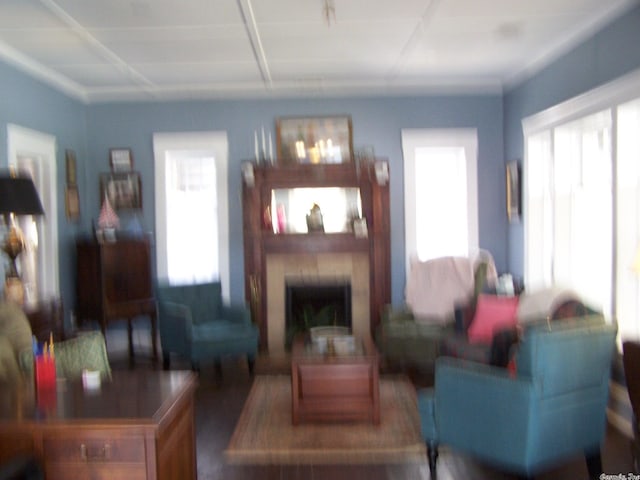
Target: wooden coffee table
{"points": [[332, 387]]}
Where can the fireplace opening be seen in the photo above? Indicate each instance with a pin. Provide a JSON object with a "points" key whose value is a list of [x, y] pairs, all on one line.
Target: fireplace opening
{"points": [[317, 304]]}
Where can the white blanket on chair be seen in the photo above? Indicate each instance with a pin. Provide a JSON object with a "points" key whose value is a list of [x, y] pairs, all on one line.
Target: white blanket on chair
{"points": [[435, 287]]}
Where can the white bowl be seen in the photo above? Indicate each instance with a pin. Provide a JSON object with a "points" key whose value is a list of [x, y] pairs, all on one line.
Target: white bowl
{"points": [[344, 344]]}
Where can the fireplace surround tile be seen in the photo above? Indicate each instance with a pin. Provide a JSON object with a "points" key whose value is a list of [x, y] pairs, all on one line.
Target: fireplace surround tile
{"points": [[315, 267]]}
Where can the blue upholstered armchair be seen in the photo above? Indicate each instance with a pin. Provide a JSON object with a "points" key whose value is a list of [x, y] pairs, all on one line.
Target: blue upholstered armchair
{"points": [[195, 324], [552, 408]]}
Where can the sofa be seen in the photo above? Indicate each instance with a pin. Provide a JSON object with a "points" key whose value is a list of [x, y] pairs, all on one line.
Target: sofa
{"points": [[438, 292], [15, 336], [481, 326], [488, 332], [72, 356]]}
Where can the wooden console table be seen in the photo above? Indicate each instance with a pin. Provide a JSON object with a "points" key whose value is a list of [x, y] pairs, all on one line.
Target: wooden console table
{"points": [[139, 425], [334, 387]]}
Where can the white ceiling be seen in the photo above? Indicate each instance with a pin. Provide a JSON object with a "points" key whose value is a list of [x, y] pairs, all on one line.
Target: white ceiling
{"points": [[106, 50]]}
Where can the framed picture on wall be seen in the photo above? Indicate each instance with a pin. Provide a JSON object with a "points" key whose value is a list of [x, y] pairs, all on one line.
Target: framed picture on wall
{"points": [[72, 203], [514, 203], [121, 159], [70, 164], [124, 190], [314, 139]]}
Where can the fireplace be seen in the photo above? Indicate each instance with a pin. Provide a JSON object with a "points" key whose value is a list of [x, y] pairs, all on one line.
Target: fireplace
{"points": [[270, 260], [315, 269], [316, 304]]}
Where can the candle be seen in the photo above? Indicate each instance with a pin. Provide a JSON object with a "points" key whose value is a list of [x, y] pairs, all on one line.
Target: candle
{"points": [[264, 145], [270, 149], [255, 144]]}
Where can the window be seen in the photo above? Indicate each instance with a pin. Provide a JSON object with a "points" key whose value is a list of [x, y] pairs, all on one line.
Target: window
{"points": [[34, 153], [627, 294], [192, 208], [582, 201], [570, 171], [441, 200]]}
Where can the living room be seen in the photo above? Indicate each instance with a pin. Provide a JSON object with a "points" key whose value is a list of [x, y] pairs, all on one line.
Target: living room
{"points": [[92, 129]]}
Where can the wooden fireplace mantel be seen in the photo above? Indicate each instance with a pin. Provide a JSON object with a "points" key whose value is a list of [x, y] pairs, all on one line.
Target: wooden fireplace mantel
{"points": [[260, 241]]}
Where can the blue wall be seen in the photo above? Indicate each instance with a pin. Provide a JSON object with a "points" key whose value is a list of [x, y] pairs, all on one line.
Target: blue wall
{"points": [[376, 122], [30, 104], [610, 53], [92, 130]]}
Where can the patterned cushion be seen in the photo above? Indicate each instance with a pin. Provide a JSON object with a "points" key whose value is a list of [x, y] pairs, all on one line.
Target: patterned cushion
{"points": [[492, 314], [86, 351]]}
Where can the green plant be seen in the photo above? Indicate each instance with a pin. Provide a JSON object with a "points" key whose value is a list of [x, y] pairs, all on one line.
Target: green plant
{"points": [[307, 317]]}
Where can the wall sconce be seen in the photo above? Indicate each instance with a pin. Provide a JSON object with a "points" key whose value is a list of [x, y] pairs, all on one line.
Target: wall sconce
{"points": [[248, 174], [382, 172]]}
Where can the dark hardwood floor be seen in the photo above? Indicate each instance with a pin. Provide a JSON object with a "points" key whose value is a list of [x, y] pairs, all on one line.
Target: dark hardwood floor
{"points": [[219, 404]]}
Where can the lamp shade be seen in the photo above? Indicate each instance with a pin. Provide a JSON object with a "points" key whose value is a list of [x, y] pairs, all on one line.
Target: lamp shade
{"points": [[18, 195]]}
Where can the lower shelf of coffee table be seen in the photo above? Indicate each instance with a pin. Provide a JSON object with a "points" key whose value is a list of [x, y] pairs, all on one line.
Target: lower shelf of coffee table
{"points": [[335, 391]]}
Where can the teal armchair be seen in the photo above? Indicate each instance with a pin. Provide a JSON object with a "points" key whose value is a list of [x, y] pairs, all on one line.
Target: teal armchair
{"points": [[194, 323], [553, 407]]}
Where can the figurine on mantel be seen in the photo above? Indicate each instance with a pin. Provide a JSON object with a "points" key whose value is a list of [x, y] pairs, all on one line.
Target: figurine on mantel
{"points": [[314, 219]]}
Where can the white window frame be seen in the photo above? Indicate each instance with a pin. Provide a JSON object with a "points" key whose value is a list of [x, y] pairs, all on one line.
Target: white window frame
{"points": [[34, 146], [215, 142], [413, 139], [607, 96]]}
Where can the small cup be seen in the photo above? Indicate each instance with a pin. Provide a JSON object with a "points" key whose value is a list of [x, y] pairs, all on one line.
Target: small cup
{"points": [[91, 379]]}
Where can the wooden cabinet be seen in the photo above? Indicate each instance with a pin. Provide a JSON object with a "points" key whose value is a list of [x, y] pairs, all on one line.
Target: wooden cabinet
{"points": [[138, 425], [114, 282]]}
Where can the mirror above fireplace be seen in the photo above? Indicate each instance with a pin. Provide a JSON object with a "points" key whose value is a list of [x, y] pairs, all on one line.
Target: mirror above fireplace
{"points": [[338, 208]]}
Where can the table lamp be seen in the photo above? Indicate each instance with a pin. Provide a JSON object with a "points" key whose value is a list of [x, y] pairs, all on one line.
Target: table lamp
{"points": [[18, 196]]}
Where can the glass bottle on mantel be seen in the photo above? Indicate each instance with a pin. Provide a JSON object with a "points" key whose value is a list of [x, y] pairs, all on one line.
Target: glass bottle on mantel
{"points": [[282, 218]]}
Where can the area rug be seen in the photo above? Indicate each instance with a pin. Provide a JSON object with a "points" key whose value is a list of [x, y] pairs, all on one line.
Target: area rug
{"points": [[264, 433]]}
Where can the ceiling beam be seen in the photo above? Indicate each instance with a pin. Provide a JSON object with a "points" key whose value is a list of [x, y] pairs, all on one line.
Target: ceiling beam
{"points": [[249, 19]]}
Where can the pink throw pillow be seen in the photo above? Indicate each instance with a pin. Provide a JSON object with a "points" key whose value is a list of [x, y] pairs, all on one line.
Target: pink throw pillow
{"points": [[492, 313]]}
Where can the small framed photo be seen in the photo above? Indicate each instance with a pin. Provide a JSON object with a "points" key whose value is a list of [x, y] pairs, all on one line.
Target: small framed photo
{"points": [[124, 190], [121, 159], [70, 160], [314, 140], [72, 203]]}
